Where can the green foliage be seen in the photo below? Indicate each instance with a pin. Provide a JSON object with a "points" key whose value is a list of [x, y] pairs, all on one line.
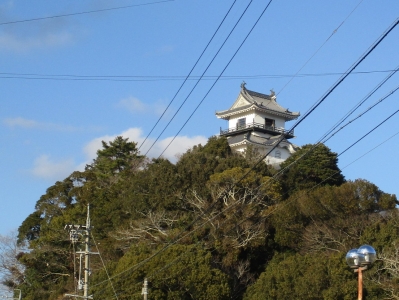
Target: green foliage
{"points": [[311, 276], [116, 156], [332, 216], [197, 165], [179, 272], [318, 167], [30, 227], [235, 227]]}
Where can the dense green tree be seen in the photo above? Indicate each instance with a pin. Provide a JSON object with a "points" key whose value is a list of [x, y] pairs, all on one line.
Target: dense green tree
{"points": [[116, 156], [48, 264], [179, 272], [224, 219], [315, 276], [310, 166], [197, 165], [332, 217]]}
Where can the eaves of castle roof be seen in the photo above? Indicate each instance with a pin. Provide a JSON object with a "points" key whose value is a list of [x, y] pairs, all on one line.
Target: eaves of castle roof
{"points": [[248, 101]]}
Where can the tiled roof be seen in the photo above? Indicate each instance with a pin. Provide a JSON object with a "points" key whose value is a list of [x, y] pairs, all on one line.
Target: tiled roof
{"points": [[260, 102], [254, 139]]}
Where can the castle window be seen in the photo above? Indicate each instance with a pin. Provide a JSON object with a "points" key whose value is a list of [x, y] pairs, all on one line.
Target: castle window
{"points": [[269, 123], [241, 123], [278, 154]]}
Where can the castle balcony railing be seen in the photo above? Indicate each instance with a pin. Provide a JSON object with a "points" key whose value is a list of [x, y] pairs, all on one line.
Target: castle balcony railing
{"points": [[256, 127]]}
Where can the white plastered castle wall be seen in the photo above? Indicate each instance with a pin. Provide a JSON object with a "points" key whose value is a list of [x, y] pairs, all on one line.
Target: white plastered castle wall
{"points": [[275, 158], [249, 119]]}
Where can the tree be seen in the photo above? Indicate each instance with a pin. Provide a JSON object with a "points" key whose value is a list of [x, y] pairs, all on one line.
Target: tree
{"points": [[316, 277], [311, 166], [223, 219], [179, 272], [11, 270], [116, 156], [331, 217]]}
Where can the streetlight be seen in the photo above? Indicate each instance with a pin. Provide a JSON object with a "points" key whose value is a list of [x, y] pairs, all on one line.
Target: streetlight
{"points": [[360, 259]]}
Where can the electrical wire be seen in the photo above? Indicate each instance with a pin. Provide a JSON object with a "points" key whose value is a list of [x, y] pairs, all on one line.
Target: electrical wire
{"points": [[189, 74], [375, 89], [105, 268], [353, 67], [352, 162], [378, 86], [199, 80], [364, 112], [394, 113], [139, 78], [317, 51], [217, 79], [82, 13], [330, 133], [279, 207], [323, 98]]}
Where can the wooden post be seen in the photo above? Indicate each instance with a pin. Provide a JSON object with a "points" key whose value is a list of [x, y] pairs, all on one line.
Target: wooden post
{"points": [[360, 285]]}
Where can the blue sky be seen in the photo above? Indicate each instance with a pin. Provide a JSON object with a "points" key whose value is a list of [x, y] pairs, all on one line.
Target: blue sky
{"points": [[69, 82]]}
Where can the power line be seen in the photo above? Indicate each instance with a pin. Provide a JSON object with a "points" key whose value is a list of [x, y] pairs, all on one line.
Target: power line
{"points": [[353, 67], [217, 79], [187, 77], [283, 204], [375, 89], [82, 13], [180, 236], [140, 78], [203, 73], [310, 150], [323, 98], [306, 115], [394, 113], [363, 113], [330, 132], [317, 51], [105, 268]]}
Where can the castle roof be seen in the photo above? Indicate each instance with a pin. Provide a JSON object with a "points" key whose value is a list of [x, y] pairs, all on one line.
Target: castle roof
{"points": [[253, 101], [254, 139]]}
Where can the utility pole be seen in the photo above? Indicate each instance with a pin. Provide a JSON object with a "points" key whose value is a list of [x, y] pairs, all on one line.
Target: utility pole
{"points": [[144, 291], [76, 231]]}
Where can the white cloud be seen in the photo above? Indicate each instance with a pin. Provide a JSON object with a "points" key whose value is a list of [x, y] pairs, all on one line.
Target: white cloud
{"points": [[20, 122], [20, 43], [133, 105], [49, 33], [45, 168], [180, 145], [90, 150]]}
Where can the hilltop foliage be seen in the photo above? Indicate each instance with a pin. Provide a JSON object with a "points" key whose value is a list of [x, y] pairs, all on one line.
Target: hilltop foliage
{"points": [[211, 226]]}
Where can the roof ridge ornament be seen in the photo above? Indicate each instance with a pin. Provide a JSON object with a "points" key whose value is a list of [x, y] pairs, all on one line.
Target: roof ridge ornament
{"points": [[273, 95], [243, 85]]}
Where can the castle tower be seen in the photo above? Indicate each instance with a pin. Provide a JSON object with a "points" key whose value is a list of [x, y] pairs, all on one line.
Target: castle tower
{"points": [[257, 119]]}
